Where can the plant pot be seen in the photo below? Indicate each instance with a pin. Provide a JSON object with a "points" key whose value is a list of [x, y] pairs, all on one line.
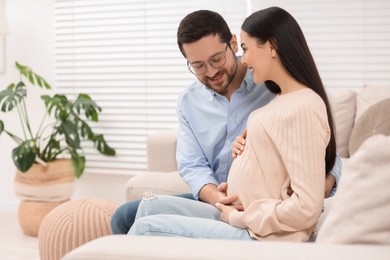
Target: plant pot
{"points": [[41, 189]]}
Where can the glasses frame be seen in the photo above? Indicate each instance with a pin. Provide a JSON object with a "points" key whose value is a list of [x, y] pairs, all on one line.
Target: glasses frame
{"points": [[209, 62]]}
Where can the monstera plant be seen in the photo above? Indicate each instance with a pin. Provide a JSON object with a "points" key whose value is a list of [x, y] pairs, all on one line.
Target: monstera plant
{"points": [[63, 136]]}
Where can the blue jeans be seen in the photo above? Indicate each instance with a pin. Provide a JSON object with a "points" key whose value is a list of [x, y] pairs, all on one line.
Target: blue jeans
{"points": [[178, 217], [124, 216]]}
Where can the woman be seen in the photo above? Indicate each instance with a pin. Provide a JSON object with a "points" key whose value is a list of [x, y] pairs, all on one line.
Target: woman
{"points": [[286, 144]]}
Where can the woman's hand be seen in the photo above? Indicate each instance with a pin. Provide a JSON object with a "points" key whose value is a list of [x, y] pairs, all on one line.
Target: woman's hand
{"points": [[238, 145], [226, 204], [225, 211]]}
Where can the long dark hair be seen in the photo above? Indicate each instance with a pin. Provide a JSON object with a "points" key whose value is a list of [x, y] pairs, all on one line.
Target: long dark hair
{"points": [[284, 33], [199, 24]]}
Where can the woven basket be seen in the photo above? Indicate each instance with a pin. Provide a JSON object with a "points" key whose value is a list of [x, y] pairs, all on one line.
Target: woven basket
{"points": [[41, 189], [31, 214]]}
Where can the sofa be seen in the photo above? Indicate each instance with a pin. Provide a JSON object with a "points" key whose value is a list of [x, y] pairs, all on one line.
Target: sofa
{"points": [[355, 223]]}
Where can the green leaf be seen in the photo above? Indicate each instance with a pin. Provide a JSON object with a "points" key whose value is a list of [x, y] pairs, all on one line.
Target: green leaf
{"points": [[86, 131], [22, 69], [58, 103], [41, 81], [51, 150], [32, 76], [12, 96], [78, 163], [1, 127], [91, 109], [24, 155], [102, 146], [69, 130]]}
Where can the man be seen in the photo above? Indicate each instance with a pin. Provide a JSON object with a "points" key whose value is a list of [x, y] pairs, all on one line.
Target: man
{"points": [[211, 112]]}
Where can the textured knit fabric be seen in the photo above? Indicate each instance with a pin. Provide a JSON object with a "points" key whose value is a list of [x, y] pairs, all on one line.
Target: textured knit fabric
{"points": [[285, 147], [72, 224]]}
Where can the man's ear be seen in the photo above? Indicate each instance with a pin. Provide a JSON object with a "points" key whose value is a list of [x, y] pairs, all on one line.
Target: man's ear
{"points": [[234, 43]]}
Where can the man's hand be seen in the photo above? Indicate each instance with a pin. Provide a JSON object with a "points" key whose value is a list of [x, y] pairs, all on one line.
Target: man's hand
{"points": [[227, 200], [238, 145]]}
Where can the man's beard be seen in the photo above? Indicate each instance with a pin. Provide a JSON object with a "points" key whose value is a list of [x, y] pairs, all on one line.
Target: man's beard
{"points": [[230, 77]]}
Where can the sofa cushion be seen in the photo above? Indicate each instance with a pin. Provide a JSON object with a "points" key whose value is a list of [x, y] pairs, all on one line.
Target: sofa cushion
{"points": [[343, 103], [376, 120], [368, 96], [161, 150], [175, 248], [360, 210]]}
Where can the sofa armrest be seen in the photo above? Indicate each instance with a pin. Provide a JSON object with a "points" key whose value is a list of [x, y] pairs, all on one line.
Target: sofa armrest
{"points": [[161, 183], [161, 177], [161, 151]]}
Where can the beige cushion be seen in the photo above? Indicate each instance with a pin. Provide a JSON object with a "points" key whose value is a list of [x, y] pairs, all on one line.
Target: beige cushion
{"points": [[343, 103], [360, 210], [376, 120], [161, 151], [72, 224], [368, 96], [161, 183]]}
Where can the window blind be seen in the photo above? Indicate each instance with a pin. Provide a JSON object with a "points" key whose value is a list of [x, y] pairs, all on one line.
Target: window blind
{"points": [[349, 39], [124, 54]]}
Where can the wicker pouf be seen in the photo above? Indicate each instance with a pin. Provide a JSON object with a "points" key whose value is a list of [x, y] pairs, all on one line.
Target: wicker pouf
{"points": [[73, 224]]}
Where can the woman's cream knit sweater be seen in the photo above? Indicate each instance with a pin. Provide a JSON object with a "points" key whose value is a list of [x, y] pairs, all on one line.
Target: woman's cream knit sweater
{"points": [[285, 147]]}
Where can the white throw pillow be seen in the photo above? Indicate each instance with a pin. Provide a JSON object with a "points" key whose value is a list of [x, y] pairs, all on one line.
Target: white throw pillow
{"points": [[368, 96], [343, 104], [376, 120], [360, 212]]}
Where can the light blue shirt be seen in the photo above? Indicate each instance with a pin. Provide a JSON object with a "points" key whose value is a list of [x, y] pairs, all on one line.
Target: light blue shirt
{"points": [[336, 172], [208, 125]]}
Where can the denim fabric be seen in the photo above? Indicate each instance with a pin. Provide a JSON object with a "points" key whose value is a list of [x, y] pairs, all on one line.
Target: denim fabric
{"points": [[178, 217], [124, 216]]}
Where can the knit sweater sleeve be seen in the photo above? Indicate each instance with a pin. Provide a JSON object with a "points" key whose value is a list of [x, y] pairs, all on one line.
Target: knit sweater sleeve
{"points": [[300, 135]]}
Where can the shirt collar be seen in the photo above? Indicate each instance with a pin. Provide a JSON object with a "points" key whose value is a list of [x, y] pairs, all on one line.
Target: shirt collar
{"points": [[248, 81]]}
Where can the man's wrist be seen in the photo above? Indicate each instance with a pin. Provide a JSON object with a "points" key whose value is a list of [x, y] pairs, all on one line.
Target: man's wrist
{"points": [[208, 193]]}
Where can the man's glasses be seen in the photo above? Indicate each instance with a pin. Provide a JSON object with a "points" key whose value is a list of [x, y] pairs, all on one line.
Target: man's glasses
{"points": [[216, 61]]}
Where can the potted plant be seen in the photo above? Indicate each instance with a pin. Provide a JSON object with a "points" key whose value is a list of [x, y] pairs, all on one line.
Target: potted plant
{"points": [[55, 147]]}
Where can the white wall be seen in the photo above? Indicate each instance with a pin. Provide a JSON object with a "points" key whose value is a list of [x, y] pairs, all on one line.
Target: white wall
{"points": [[31, 43]]}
